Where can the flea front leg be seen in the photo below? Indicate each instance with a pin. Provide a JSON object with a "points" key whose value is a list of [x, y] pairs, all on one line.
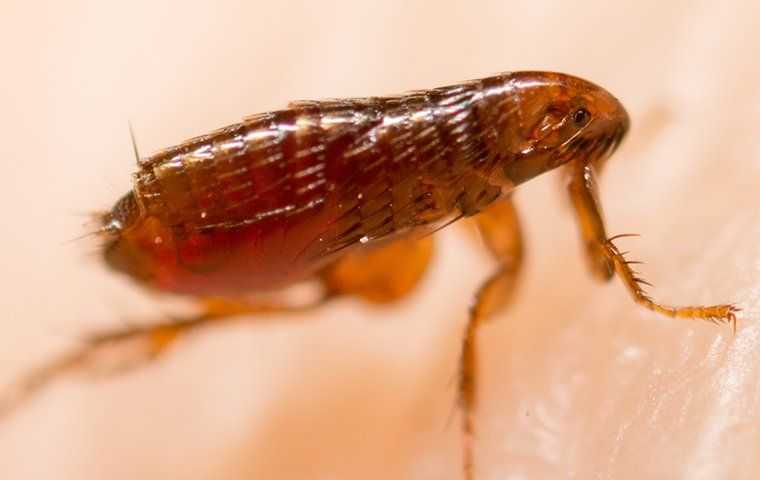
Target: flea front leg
{"points": [[500, 229], [585, 197], [606, 259]]}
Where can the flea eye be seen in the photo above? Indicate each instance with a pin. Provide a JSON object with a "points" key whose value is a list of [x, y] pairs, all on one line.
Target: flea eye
{"points": [[581, 117]]}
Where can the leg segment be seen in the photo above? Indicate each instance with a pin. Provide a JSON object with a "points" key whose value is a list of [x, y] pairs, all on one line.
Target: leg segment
{"points": [[383, 274], [125, 348], [606, 259], [500, 230], [585, 197]]}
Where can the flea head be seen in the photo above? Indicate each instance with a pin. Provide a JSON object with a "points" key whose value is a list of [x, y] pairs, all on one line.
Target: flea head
{"points": [[556, 118]]}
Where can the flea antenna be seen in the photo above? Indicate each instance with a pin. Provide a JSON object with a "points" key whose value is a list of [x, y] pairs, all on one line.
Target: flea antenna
{"points": [[134, 142]]}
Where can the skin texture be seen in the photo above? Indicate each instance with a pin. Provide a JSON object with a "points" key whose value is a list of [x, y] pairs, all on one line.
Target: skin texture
{"points": [[572, 363]]}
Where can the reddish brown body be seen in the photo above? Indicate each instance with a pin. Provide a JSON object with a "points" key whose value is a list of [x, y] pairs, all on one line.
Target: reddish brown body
{"points": [[271, 200]]}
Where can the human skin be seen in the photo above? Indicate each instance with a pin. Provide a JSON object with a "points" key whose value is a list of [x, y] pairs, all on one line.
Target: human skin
{"points": [[576, 380]]}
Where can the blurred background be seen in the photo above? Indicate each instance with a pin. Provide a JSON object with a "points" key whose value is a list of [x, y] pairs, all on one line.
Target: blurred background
{"points": [[577, 382]]}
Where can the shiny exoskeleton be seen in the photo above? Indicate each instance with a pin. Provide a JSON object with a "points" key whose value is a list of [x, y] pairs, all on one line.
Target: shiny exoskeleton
{"points": [[271, 200], [346, 192]]}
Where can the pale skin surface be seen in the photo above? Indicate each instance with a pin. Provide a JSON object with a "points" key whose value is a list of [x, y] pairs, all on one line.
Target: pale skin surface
{"points": [[576, 380]]}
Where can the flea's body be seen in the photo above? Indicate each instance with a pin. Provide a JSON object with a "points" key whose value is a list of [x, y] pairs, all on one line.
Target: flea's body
{"points": [[346, 192], [269, 201]]}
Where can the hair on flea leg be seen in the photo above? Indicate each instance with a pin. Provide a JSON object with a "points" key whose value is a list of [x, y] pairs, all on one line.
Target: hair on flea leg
{"points": [[718, 314]]}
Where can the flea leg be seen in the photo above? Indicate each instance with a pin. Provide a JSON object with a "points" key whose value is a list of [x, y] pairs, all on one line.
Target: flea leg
{"points": [[140, 343], [383, 274], [500, 229], [606, 259], [155, 339], [380, 276], [585, 197]]}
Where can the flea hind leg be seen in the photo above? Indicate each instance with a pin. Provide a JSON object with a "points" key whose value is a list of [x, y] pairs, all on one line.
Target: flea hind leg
{"points": [[134, 344], [606, 259], [381, 275], [154, 339], [500, 229]]}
